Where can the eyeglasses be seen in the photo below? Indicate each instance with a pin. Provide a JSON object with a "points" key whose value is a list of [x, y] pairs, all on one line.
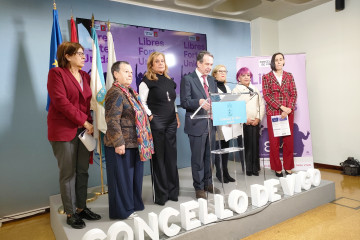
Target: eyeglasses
{"points": [[221, 71], [80, 54]]}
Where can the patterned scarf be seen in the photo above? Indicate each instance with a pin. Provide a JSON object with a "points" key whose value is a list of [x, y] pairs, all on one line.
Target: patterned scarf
{"points": [[143, 131]]}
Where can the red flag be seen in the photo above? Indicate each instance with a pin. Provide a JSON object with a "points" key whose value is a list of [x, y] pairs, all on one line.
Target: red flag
{"points": [[73, 31]]}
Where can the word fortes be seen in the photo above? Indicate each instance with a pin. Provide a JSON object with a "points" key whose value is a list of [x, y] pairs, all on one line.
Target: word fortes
{"points": [[237, 202]]}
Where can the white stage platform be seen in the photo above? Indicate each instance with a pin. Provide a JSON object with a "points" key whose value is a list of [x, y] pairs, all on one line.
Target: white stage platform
{"points": [[239, 226]]}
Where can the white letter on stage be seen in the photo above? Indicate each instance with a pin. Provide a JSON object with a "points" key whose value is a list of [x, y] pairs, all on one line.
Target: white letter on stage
{"points": [[288, 184], [164, 216], [269, 185], [297, 187], [204, 216], [238, 201], [306, 180], [259, 195], [316, 176], [152, 229], [120, 227], [94, 234], [187, 216], [219, 208]]}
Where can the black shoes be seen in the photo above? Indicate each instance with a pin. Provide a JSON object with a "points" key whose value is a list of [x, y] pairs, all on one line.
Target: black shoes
{"points": [[75, 221], [279, 174], [248, 173], [287, 173], [219, 178], [88, 214], [228, 177], [255, 173]]}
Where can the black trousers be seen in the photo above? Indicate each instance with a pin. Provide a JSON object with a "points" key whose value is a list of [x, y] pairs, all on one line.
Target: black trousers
{"points": [[223, 163], [164, 170], [251, 142]]}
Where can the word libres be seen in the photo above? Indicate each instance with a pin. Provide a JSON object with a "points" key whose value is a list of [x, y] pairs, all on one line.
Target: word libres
{"points": [[237, 202]]}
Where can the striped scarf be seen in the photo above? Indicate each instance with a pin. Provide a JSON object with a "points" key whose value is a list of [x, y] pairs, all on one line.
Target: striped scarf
{"points": [[143, 131]]}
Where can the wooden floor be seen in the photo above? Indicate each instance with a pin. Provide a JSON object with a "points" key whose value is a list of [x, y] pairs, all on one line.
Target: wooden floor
{"points": [[337, 220]]}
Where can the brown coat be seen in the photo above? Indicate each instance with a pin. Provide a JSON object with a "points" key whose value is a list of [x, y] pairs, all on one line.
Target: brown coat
{"points": [[120, 120]]}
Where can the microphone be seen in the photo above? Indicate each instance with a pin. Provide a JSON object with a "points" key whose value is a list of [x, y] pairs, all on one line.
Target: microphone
{"points": [[252, 92]]}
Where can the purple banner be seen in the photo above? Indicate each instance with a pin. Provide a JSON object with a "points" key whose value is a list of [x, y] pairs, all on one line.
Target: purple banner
{"points": [[134, 44], [295, 64]]}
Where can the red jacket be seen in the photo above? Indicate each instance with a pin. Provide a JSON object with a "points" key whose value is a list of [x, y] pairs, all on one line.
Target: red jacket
{"points": [[276, 96], [70, 106]]}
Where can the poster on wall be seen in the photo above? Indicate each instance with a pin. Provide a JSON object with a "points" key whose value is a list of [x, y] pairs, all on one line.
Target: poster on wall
{"points": [[295, 64], [134, 44]]}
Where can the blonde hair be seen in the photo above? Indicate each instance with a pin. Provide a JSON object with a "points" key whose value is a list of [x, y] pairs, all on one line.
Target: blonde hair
{"points": [[216, 69], [150, 74]]}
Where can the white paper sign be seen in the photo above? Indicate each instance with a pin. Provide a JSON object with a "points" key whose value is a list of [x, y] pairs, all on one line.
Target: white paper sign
{"points": [[280, 126]]}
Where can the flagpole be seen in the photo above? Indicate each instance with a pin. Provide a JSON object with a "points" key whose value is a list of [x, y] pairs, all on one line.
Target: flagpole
{"points": [[102, 191], [101, 169]]}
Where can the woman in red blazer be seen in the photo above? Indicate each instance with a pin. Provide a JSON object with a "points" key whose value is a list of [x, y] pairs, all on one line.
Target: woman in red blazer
{"points": [[69, 115], [280, 94]]}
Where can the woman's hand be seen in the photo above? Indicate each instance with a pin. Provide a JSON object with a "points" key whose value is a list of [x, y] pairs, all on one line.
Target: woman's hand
{"points": [[177, 120], [255, 122], [249, 121], [283, 115], [286, 109], [120, 150], [89, 127], [151, 117]]}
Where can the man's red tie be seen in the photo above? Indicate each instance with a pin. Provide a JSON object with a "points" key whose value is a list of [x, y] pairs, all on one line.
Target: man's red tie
{"points": [[206, 88]]}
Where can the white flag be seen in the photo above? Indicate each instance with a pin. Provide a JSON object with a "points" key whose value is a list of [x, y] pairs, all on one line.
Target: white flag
{"points": [[111, 60], [98, 89]]}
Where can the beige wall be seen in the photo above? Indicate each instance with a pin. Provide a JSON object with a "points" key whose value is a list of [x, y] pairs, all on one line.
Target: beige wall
{"points": [[331, 41]]}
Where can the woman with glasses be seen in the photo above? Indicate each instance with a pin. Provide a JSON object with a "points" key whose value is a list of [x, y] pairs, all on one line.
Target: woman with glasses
{"points": [[219, 73], [69, 115], [255, 110]]}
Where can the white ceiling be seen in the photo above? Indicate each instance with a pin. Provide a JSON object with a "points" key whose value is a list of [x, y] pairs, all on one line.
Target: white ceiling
{"points": [[236, 10]]}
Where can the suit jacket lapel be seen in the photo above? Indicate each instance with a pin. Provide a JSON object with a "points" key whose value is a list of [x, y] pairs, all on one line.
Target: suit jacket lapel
{"points": [[75, 82], [274, 79], [198, 84], [284, 80]]}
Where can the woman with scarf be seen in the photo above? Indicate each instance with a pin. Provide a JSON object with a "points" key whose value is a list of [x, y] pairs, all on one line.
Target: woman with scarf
{"points": [[128, 143]]}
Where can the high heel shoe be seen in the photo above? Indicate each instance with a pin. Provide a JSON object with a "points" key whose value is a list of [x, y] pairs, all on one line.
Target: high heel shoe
{"points": [[279, 174], [287, 173]]}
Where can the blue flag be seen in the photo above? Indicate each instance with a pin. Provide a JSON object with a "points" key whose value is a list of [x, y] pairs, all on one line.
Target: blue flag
{"points": [[56, 40]]}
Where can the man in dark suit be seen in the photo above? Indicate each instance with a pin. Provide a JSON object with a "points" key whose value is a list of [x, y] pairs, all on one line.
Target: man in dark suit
{"points": [[194, 91]]}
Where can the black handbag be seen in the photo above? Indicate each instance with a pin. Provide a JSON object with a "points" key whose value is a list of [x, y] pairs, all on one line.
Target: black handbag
{"points": [[351, 166]]}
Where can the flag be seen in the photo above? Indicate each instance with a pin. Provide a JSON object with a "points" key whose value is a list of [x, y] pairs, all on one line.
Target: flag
{"points": [[56, 40], [111, 60], [73, 30], [97, 85]]}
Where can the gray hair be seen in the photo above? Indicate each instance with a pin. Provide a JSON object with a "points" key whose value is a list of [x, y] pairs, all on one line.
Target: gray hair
{"points": [[116, 67]]}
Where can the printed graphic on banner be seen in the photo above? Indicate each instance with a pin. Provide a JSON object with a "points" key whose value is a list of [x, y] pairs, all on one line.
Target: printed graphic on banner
{"points": [[295, 64], [134, 44]]}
